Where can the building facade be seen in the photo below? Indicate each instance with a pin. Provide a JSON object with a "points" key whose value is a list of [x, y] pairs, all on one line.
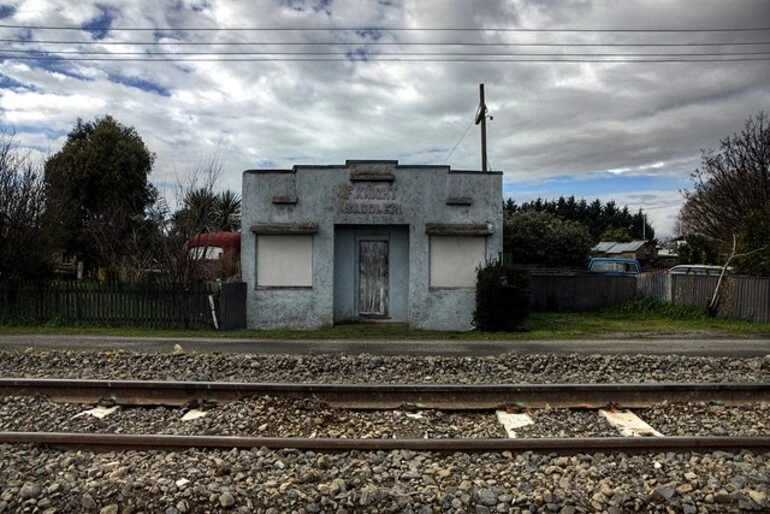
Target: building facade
{"points": [[368, 240]]}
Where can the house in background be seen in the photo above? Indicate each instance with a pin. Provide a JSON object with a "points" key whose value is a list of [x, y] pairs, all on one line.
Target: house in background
{"points": [[667, 257], [643, 251], [67, 265], [367, 241]]}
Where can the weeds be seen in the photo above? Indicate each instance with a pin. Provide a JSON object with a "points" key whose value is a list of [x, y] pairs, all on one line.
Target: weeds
{"points": [[648, 308]]}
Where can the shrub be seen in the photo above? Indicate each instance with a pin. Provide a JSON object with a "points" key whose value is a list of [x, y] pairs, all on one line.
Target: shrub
{"points": [[503, 295], [545, 240]]}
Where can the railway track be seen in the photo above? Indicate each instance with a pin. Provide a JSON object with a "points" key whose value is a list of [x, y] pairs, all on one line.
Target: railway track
{"points": [[371, 397], [389, 396], [109, 442]]}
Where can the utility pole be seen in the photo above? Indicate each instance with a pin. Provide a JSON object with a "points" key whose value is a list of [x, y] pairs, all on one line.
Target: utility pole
{"points": [[481, 117]]}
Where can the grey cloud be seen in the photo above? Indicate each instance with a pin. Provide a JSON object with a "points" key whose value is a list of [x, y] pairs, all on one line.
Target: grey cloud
{"points": [[549, 118]]}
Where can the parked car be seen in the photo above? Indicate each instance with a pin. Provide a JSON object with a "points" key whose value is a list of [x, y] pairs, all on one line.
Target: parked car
{"points": [[614, 266], [698, 269]]}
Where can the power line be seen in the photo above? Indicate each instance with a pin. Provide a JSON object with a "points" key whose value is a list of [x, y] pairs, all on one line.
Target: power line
{"points": [[375, 29], [378, 55], [461, 138], [373, 59], [375, 43]]}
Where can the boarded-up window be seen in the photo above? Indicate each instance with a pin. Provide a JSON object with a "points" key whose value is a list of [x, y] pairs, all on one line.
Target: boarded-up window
{"points": [[285, 261], [454, 259]]}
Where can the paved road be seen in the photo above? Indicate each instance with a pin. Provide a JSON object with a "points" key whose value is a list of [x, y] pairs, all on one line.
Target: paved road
{"points": [[691, 345]]}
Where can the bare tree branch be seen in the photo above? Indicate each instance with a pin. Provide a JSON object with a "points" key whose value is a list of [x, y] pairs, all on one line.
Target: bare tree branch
{"points": [[731, 191], [714, 303], [24, 242]]}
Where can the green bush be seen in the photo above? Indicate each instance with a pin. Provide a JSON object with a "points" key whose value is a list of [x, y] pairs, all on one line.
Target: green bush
{"points": [[503, 296], [542, 239]]}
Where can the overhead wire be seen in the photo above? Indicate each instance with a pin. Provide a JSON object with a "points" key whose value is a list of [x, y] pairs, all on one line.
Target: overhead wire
{"points": [[25, 50], [373, 58], [371, 43], [461, 138], [404, 54], [378, 29]]}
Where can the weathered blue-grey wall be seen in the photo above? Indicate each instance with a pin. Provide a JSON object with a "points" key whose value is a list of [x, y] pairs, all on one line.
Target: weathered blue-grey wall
{"points": [[407, 202]]}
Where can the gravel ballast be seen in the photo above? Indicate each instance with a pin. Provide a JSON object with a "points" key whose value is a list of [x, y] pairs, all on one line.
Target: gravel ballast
{"points": [[253, 417], [503, 369], [287, 417], [34, 479], [261, 480]]}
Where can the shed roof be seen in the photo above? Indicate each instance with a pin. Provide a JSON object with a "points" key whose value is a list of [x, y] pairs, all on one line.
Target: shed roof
{"points": [[603, 246], [615, 247], [627, 247]]}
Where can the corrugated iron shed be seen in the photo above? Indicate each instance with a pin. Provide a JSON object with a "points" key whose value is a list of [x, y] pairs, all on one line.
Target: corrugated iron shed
{"points": [[603, 246], [633, 246]]}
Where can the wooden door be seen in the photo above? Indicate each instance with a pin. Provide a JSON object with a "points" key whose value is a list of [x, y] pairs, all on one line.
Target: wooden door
{"points": [[373, 279]]}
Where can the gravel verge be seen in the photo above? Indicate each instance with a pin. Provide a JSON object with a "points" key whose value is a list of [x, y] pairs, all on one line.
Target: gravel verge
{"points": [[509, 368], [271, 482]]}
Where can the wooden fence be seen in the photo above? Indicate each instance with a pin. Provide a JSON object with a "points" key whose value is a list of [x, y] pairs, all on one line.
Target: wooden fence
{"points": [[740, 298], [560, 293], [112, 304], [118, 304], [654, 285]]}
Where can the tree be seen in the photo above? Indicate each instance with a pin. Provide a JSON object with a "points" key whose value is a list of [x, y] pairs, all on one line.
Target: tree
{"points": [[543, 239], [754, 240], [732, 188], [200, 210], [25, 252], [509, 207], [598, 218], [97, 190], [698, 249], [227, 209], [205, 211], [619, 235]]}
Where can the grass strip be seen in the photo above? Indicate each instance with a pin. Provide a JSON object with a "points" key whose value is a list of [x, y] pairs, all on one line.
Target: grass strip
{"points": [[635, 318]]}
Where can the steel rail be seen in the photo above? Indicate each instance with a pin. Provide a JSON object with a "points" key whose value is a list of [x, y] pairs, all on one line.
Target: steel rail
{"points": [[101, 442], [389, 396]]}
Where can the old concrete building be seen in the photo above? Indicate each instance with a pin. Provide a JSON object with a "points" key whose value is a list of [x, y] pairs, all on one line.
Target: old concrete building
{"points": [[368, 240]]}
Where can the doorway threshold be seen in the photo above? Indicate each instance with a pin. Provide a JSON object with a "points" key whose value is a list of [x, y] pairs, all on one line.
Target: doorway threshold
{"points": [[371, 321]]}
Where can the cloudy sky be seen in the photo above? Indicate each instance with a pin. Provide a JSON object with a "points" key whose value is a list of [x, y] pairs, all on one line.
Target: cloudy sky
{"points": [[588, 98]]}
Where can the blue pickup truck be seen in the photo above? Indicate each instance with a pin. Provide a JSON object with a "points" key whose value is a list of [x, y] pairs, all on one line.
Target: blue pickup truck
{"points": [[614, 266]]}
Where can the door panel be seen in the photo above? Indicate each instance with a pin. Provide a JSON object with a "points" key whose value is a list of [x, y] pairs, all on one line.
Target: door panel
{"points": [[373, 279]]}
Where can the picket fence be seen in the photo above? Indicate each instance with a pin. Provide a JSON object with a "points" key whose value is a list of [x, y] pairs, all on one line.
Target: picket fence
{"points": [[111, 304]]}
